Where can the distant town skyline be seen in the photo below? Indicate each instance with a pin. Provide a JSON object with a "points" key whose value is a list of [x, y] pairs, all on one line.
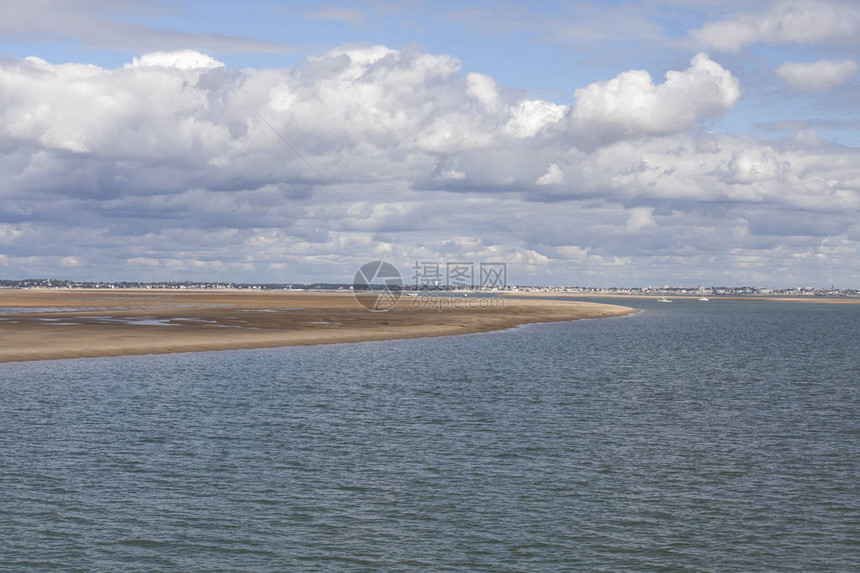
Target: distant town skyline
{"points": [[600, 143], [620, 290]]}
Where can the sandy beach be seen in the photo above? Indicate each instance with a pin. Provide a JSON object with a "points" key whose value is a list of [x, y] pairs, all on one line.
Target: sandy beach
{"points": [[51, 324]]}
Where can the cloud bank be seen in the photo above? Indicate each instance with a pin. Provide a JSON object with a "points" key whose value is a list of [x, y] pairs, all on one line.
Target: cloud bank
{"points": [[167, 167]]}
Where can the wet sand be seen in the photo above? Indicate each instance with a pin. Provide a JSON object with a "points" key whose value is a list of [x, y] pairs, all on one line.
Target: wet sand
{"points": [[50, 324]]}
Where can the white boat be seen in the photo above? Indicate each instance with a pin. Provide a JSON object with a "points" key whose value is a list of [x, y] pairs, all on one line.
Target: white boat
{"points": [[663, 299], [704, 299]]}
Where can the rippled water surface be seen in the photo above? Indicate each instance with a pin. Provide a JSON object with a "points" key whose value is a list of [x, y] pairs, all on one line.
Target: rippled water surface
{"points": [[717, 436]]}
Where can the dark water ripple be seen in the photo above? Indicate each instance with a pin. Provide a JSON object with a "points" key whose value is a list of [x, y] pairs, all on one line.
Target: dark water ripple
{"points": [[694, 437]]}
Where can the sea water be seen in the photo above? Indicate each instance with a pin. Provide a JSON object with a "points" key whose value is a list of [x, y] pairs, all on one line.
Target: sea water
{"points": [[719, 436]]}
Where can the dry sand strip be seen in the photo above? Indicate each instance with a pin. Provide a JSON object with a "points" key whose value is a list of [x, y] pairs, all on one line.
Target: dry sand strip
{"points": [[51, 324]]}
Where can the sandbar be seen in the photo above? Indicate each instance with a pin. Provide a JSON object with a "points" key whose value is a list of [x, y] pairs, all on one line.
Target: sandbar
{"points": [[43, 324]]}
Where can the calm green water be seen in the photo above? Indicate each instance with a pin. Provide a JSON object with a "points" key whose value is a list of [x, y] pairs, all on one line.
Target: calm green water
{"points": [[717, 436]]}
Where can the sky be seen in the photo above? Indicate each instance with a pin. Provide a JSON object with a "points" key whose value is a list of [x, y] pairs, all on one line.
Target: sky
{"points": [[595, 143]]}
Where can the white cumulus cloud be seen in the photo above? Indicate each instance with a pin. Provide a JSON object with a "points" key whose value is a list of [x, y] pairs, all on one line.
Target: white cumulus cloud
{"points": [[640, 218], [181, 60], [528, 117], [483, 88], [552, 176], [631, 104]]}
